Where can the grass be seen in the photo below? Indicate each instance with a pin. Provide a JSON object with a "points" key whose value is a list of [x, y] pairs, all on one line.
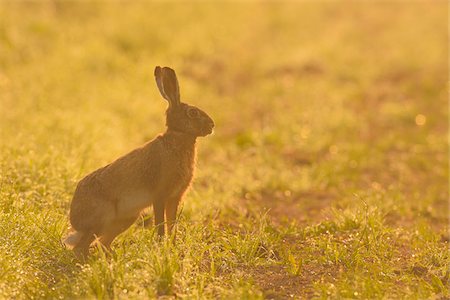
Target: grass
{"points": [[327, 176]]}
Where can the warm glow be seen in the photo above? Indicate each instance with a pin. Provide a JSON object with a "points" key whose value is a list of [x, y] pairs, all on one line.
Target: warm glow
{"points": [[326, 176]]}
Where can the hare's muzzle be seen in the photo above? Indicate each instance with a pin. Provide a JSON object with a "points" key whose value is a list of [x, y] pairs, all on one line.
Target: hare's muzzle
{"points": [[209, 126]]}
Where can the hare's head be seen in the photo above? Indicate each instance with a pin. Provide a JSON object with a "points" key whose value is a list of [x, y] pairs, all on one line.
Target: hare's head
{"points": [[181, 116]]}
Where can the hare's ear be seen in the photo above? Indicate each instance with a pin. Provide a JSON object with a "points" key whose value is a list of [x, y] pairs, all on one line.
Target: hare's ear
{"points": [[167, 82]]}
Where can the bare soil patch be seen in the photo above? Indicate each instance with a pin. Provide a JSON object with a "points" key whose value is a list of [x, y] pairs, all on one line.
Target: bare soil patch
{"points": [[277, 283]]}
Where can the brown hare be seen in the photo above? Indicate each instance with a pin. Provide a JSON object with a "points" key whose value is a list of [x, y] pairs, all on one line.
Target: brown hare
{"points": [[110, 199]]}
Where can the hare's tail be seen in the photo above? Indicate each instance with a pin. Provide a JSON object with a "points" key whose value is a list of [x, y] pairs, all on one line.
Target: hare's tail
{"points": [[73, 239]]}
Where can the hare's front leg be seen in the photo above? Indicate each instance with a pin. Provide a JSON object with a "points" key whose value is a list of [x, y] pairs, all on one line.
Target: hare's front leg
{"points": [[171, 212], [158, 209]]}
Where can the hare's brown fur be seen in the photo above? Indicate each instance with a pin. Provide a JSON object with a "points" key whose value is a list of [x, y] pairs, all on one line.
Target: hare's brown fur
{"points": [[110, 199]]}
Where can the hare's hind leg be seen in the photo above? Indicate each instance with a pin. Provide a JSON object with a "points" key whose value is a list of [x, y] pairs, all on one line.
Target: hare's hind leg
{"points": [[115, 228], [81, 250]]}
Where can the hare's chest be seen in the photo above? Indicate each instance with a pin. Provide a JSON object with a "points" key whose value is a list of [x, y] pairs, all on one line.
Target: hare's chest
{"points": [[180, 173]]}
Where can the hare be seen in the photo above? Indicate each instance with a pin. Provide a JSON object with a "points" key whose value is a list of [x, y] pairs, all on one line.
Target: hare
{"points": [[110, 199]]}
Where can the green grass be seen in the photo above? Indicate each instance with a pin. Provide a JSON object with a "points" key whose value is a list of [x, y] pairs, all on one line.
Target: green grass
{"points": [[321, 181]]}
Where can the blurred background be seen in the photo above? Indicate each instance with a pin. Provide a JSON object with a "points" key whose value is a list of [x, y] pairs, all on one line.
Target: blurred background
{"points": [[319, 108]]}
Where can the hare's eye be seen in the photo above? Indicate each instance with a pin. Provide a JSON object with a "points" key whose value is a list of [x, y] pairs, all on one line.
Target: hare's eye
{"points": [[193, 113]]}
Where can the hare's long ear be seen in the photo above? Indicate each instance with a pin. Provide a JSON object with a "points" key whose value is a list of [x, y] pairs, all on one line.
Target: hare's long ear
{"points": [[158, 77], [167, 82]]}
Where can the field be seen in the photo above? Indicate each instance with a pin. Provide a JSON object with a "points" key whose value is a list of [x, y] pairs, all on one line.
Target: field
{"points": [[327, 175]]}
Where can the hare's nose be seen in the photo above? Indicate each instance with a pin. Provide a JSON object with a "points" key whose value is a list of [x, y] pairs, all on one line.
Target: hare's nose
{"points": [[211, 124]]}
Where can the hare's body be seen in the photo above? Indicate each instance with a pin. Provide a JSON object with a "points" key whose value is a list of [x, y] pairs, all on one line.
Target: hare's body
{"points": [[110, 199], [133, 182]]}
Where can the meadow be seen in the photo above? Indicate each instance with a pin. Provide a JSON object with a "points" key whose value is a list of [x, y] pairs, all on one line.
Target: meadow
{"points": [[327, 175]]}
